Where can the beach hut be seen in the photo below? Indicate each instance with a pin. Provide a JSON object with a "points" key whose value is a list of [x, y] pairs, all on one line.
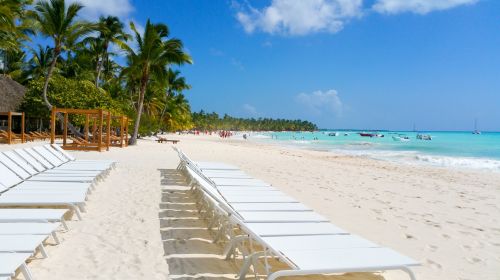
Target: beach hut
{"points": [[98, 139], [11, 96]]}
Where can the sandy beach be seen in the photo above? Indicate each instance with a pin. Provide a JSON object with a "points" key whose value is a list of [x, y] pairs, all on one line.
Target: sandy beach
{"points": [[141, 222]]}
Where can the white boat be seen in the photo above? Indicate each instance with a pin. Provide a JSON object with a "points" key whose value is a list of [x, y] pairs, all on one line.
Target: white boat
{"points": [[401, 138], [333, 134], [424, 137], [476, 131]]}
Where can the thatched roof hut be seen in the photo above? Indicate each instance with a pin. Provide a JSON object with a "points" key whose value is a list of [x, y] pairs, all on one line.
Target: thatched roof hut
{"points": [[11, 94]]}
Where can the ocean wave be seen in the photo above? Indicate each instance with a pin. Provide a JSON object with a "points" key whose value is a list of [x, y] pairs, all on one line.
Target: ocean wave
{"points": [[462, 162], [261, 136]]}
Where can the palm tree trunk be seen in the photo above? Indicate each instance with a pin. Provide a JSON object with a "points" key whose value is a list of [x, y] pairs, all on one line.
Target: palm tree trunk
{"points": [[144, 83], [47, 79], [98, 72]]}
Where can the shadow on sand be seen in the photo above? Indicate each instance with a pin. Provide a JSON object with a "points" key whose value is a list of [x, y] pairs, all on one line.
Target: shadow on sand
{"points": [[187, 242]]}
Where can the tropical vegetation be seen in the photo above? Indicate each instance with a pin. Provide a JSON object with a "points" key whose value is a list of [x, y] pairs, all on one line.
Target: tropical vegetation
{"points": [[84, 64], [212, 121]]}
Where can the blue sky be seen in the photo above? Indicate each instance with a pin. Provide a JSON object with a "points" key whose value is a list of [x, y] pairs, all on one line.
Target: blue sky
{"points": [[379, 64]]}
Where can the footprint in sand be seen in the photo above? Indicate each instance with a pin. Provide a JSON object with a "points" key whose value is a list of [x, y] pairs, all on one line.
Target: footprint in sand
{"points": [[432, 248], [446, 236], [409, 236], [474, 260], [433, 264]]}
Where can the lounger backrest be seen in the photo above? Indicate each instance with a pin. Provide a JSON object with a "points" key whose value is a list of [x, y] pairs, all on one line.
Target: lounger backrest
{"points": [[8, 178], [21, 162], [14, 167], [2, 188], [29, 159], [48, 156], [39, 158], [62, 151], [56, 153]]}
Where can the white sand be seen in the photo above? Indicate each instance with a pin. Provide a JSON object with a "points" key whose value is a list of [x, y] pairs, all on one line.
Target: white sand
{"points": [[447, 219]]}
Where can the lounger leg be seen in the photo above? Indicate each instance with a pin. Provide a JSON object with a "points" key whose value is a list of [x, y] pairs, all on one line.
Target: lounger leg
{"points": [[81, 207], [54, 236], [26, 272], [231, 246], [63, 222], [42, 251], [77, 212], [246, 265], [410, 273]]}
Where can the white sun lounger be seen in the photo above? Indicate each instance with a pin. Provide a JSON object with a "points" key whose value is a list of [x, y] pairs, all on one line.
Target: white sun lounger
{"points": [[23, 244], [11, 262], [28, 167], [23, 174], [67, 155], [305, 254], [66, 164], [30, 229], [13, 175], [35, 215]]}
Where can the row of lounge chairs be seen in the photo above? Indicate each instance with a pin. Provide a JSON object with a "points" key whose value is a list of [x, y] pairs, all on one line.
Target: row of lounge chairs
{"points": [[29, 137], [261, 222], [39, 188]]}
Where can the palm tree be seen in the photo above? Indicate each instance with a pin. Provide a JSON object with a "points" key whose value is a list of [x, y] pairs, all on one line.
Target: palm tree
{"points": [[153, 55], [39, 62], [58, 22], [111, 31], [176, 84]]}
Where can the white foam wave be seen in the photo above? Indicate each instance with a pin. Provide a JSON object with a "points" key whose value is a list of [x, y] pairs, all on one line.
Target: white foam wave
{"points": [[462, 162], [261, 136]]}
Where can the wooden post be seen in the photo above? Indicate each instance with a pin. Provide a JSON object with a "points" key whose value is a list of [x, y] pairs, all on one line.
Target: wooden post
{"points": [[108, 137], [122, 128], [99, 144], [23, 136], [53, 126], [9, 126], [87, 128], [126, 131], [65, 132]]}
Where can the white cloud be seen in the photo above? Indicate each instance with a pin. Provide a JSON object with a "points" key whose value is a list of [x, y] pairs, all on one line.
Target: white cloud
{"points": [[299, 17], [321, 102], [95, 8], [251, 110], [417, 6], [236, 63], [216, 52]]}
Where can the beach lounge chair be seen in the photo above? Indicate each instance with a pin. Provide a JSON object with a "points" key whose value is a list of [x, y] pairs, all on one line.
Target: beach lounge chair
{"points": [[25, 198], [40, 228], [310, 253], [35, 184], [33, 215], [30, 244], [109, 163], [11, 262]]}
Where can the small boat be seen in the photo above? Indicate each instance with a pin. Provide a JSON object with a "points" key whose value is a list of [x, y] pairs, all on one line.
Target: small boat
{"points": [[333, 134], [401, 138], [424, 137], [366, 134], [476, 131], [346, 134]]}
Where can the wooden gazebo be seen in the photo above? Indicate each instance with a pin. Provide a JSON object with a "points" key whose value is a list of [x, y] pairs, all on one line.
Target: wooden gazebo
{"points": [[7, 135], [98, 140], [119, 134]]}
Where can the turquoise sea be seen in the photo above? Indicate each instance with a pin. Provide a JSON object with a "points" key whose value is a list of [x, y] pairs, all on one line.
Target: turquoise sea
{"points": [[448, 149]]}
